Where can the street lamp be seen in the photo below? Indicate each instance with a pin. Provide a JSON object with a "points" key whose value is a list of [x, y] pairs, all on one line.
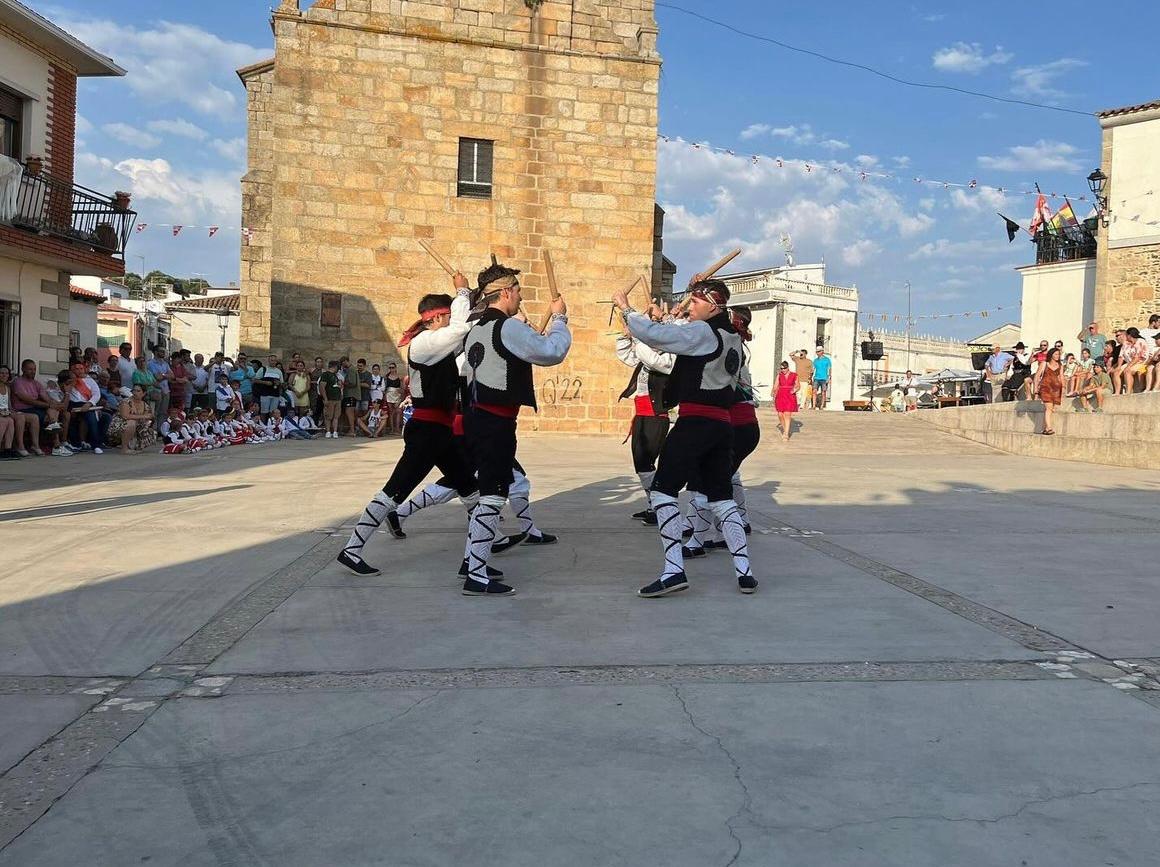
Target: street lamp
{"points": [[1097, 183], [223, 323]]}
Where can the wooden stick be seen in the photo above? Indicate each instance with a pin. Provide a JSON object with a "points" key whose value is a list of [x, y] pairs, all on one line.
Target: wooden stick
{"points": [[551, 275], [439, 259], [715, 267]]}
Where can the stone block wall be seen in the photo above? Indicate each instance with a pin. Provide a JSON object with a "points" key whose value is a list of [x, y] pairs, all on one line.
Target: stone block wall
{"points": [[368, 101]]}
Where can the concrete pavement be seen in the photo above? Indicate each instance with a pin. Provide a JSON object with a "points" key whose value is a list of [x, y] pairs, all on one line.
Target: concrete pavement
{"points": [[950, 661]]}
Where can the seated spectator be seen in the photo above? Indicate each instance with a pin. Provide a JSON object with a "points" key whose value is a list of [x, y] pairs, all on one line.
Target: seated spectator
{"points": [[295, 428], [1071, 375], [58, 418], [1153, 328], [132, 428], [113, 372], [897, 399], [1133, 361], [1121, 338], [89, 423], [1098, 385], [33, 410], [376, 420], [1153, 380], [7, 416]]}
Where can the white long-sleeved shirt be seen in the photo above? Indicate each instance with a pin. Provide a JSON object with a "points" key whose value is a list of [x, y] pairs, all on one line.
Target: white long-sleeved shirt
{"points": [[633, 352], [546, 350], [427, 347], [693, 338]]}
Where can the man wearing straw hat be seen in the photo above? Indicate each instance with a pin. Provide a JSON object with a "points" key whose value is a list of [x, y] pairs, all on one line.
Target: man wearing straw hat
{"points": [[432, 346], [703, 385], [500, 353]]}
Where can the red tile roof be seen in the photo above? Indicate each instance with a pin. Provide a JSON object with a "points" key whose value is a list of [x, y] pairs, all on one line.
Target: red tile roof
{"points": [[1128, 109], [85, 295], [213, 302]]}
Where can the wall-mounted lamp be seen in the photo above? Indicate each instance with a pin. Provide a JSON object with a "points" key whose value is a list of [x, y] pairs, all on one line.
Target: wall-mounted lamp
{"points": [[1097, 183]]}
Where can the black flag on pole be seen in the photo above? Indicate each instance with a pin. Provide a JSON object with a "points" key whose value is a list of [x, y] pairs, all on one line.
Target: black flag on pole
{"points": [[1012, 228]]}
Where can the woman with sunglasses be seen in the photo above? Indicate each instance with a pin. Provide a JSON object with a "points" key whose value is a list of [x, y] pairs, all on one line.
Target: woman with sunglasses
{"points": [[709, 354]]}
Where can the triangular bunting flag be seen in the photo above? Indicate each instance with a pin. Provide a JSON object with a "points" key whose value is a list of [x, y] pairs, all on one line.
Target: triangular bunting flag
{"points": [[213, 230], [177, 230], [141, 227]]}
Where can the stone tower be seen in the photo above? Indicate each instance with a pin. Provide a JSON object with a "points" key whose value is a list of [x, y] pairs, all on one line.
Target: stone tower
{"points": [[363, 129]]}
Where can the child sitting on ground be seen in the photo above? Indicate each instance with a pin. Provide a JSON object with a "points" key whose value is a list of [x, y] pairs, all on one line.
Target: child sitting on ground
{"points": [[375, 421]]}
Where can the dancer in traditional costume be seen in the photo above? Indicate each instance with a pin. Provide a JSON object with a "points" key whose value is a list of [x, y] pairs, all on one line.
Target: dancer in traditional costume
{"points": [[703, 383]]}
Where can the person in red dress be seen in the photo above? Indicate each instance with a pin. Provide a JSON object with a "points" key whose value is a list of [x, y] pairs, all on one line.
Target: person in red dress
{"points": [[785, 398]]}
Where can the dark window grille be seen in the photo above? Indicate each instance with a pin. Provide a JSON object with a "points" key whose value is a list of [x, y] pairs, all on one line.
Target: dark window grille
{"points": [[10, 334], [11, 116], [475, 168]]}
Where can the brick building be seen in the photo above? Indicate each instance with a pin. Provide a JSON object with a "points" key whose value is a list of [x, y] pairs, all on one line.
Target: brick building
{"points": [[1127, 279], [505, 126], [52, 229]]}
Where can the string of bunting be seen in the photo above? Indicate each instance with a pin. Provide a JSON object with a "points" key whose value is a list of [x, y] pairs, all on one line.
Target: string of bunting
{"points": [[821, 167], [177, 228], [964, 314]]}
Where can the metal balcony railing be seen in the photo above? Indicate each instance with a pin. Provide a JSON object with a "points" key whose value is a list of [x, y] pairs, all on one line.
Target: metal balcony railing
{"points": [[1065, 245], [53, 207]]}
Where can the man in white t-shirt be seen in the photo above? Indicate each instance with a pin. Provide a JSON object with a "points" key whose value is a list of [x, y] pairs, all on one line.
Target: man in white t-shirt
{"points": [[125, 366]]}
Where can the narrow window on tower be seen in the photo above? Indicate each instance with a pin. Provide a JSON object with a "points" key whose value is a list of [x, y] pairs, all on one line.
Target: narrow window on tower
{"points": [[475, 155]]}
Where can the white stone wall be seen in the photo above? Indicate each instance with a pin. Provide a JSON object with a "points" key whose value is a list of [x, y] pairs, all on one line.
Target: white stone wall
{"points": [[1134, 184], [1058, 301], [23, 282], [199, 332]]}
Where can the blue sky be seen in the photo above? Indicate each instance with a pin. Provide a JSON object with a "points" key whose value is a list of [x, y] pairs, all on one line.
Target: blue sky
{"points": [[173, 131]]}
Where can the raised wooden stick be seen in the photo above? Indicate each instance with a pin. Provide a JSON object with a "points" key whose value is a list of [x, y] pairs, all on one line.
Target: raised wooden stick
{"points": [[715, 267], [439, 259], [551, 271]]}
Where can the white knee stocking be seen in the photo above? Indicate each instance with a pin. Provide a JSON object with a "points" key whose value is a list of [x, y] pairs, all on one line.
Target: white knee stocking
{"points": [[432, 495], [480, 535], [669, 524], [372, 518], [739, 497], [733, 529]]}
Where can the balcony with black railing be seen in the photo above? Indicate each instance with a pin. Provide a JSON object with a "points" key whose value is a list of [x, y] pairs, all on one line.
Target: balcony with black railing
{"points": [[1065, 245], [94, 221]]}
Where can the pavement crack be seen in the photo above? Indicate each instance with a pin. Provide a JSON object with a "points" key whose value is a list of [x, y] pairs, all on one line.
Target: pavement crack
{"points": [[982, 820], [258, 754], [746, 797]]}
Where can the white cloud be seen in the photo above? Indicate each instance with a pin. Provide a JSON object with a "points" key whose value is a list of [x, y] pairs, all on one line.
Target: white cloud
{"points": [[1043, 156], [233, 150], [802, 134], [968, 58], [979, 199], [171, 62], [833, 144], [857, 253], [754, 130], [162, 193], [179, 127], [944, 248], [902, 162], [84, 125], [1038, 82], [866, 161], [714, 201], [130, 135]]}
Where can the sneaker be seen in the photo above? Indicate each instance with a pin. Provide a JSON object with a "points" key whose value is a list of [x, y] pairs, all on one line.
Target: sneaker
{"points": [[71, 447], [471, 587], [97, 450], [61, 452], [746, 583], [688, 551], [491, 573], [641, 515], [649, 518], [357, 565], [396, 527], [542, 539], [22, 453], [664, 586], [507, 542]]}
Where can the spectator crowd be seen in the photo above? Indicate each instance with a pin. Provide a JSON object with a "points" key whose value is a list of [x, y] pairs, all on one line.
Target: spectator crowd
{"points": [[191, 404]]}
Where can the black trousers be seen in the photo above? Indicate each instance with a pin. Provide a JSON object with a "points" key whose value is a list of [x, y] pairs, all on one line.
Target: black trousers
{"points": [[491, 443], [699, 449], [745, 440], [648, 438], [428, 444]]}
